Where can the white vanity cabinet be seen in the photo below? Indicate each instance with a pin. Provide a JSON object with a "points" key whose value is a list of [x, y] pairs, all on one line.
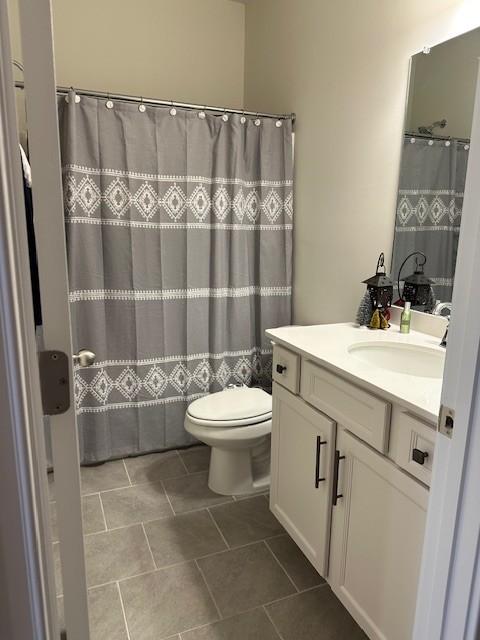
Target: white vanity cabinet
{"points": [[303, 442], [349, 483], [378, 526]]}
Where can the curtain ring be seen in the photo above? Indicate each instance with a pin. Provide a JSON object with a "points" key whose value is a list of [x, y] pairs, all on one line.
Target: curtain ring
{"points": [[202, 115], [257, 122], [141, 107], [243, 119], [109, 103], [173, 111], [225, 116], [76, 98]]}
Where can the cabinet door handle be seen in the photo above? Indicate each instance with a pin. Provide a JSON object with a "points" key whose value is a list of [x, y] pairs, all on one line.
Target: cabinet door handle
{"points": [[281, 368], [320, 442], [419, 456], [336, 465]]}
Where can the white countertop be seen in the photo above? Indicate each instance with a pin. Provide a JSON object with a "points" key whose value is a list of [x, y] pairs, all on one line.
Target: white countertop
{"points": [[327, 345]]}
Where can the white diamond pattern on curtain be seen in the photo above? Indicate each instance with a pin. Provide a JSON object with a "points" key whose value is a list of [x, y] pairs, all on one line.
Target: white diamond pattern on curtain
{"points": [[167, 284], [151, 205]]}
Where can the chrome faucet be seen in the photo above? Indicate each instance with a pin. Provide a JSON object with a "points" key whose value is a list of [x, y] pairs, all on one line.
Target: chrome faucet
{"points": [[437, 311]]}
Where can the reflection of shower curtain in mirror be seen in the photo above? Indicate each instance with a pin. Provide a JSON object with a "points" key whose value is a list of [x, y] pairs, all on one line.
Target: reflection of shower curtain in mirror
{"points": [[179, 252], [429, 207]]}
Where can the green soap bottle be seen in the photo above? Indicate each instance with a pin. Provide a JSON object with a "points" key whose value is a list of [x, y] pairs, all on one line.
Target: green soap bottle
{"points": [[405, 318]]}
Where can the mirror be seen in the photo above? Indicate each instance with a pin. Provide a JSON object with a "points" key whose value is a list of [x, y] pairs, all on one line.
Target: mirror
{"points": [[434, 162]]}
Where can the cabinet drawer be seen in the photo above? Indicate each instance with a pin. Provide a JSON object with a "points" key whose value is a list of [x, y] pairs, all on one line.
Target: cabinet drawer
{"points": [[410, 440], [286, 368], [363, 414]]}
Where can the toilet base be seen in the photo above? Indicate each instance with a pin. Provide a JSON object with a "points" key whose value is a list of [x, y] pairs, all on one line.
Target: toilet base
{"points": [[240, 471]]}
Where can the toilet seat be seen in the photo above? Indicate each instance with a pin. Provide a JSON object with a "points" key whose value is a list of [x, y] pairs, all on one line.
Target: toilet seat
{"points": [[230, 408], [230, 424]]}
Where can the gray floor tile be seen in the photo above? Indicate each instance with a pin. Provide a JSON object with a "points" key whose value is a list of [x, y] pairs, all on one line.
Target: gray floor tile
{"points": [[253, 625], [244, 578], [105, 613], [93, 520], [154, 467], [294, 562], [192, 492], [139, 503], [183, 537], [196, 459], [246, 521], [110, 475], [314, 614], [252, 495], [166, 602], [113, 555]]}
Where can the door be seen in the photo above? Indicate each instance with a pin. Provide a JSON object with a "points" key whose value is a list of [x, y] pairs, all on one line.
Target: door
{"points": [[378, 526], [303, 441], [43, 139], [449, 592]]}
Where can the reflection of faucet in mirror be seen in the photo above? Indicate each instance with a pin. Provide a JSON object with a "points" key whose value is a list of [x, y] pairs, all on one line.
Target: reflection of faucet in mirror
{"points": [[437, 310], [428, 131]]}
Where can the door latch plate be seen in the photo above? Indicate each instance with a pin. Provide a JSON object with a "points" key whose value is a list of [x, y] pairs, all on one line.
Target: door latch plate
{"points": [[54, 382], [446, 421]]}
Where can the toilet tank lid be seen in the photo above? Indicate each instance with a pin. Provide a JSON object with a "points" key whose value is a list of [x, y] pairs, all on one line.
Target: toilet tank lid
{"points": [[236, 403]]}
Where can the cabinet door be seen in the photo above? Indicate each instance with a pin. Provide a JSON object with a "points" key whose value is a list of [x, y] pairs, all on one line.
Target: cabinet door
{"points": [[377, 537], [303, 442]]}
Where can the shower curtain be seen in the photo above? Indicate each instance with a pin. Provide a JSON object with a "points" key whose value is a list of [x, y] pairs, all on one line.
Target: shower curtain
{"points": [[429, 208], [179, 254]]}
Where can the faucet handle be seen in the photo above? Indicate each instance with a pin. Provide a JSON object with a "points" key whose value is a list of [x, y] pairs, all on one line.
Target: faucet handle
{"points": [[443, 343]]}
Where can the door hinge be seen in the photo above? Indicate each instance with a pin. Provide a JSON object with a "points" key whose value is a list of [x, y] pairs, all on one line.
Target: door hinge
{"points": [[54, 382], [446, 421]]}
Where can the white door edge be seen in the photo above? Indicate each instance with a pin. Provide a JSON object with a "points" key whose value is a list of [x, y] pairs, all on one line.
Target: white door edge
{"points": [[27, 604], [449, 589], [44, 147]]}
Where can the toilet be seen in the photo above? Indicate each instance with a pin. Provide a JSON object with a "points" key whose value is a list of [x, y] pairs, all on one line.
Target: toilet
{"points": [[236, 423]]}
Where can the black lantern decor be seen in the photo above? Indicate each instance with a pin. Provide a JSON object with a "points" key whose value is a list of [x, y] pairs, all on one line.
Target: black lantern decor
{"points": [[417, 288], [380, 287]]}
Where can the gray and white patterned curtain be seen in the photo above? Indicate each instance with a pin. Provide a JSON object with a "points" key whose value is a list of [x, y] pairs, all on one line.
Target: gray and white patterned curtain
{"points": [[429, 208], [179, 238]]}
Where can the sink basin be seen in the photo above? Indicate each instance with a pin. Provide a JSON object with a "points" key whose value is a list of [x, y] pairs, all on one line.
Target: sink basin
{"points": [[409, 359]]}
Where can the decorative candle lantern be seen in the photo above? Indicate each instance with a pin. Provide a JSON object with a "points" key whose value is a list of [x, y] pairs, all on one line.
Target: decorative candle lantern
{"points": [[417, 287], [380, 287]]}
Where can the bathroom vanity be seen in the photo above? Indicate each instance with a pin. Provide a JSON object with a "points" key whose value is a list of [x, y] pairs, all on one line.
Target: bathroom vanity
{"points": [[353, 440]]}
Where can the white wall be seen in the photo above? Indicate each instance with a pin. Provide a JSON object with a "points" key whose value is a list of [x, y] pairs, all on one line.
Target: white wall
{"points": [[443, 86], [185, 50], [342, 67]]}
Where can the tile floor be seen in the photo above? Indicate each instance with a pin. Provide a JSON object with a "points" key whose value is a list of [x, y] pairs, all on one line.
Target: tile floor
{"points": [[168, 559]]}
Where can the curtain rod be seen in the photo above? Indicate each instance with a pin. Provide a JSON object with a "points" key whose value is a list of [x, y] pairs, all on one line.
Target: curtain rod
{"points": [[425, 137], [166, 103]]}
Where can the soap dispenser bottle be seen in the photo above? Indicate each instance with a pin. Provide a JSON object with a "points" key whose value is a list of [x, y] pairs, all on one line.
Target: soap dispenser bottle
{"points": [[405, 318]]}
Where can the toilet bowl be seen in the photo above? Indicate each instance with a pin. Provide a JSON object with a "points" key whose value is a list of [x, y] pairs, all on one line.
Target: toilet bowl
{"points": [[236, 423]]}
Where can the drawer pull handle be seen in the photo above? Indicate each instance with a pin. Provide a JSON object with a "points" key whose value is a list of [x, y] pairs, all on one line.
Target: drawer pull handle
{"points": [[419, 456], [320, 442], [281, 368], [336, 466]]}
